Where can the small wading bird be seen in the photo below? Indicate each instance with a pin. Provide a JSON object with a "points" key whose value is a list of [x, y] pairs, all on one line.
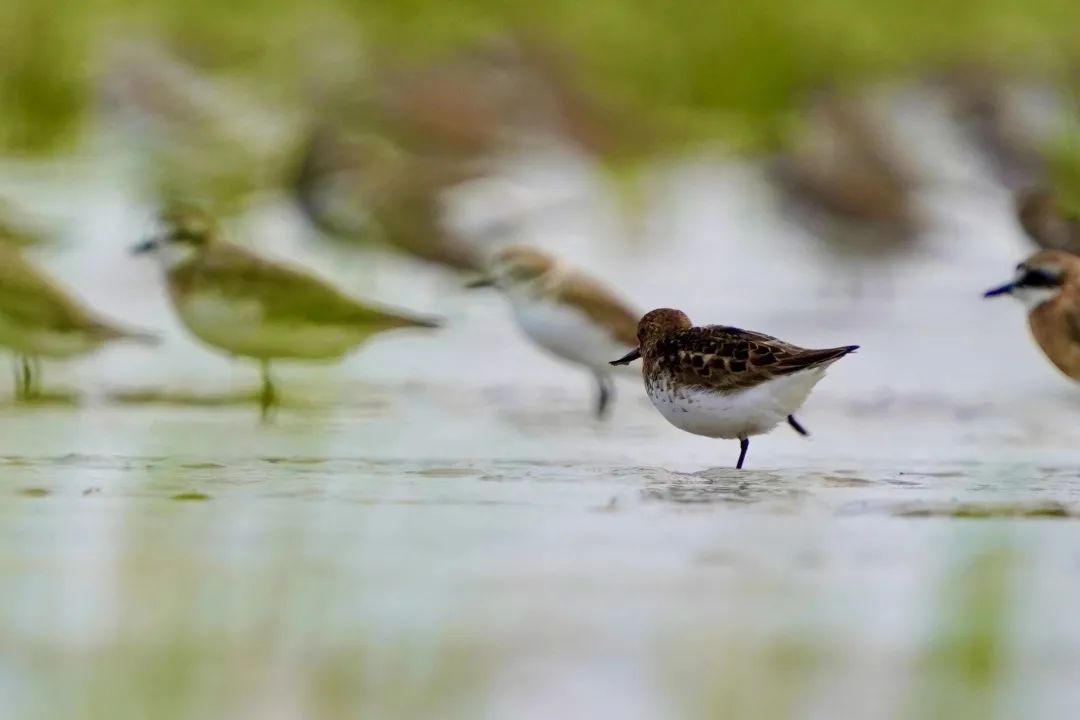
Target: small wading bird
{"points": [[1048, 285], [386, 153], [247, 306], [723, 382], [565, 312], [38, 319]]}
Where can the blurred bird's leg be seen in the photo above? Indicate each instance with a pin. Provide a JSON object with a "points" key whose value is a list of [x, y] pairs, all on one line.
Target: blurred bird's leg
{"points": [[797, 426], [19, 384], [268, 395], [25, 374], [605, 394]]}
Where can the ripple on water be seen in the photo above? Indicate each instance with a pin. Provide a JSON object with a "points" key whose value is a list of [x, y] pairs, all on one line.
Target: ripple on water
{"points": [[717, 486]]}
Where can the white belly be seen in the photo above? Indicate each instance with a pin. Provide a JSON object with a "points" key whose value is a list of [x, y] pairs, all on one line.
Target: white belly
{"points": [[46, 343], [754, 411], [240, 328], [568, 333]]}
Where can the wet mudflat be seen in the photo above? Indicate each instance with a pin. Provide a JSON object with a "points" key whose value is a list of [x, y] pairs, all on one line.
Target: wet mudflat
{"points": [[158, 556]]}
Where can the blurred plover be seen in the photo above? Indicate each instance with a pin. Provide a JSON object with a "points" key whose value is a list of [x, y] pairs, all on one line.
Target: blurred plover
{"points": [[723, 382], [1048, 285], [252, 307], [565, 311], [38, 319]]}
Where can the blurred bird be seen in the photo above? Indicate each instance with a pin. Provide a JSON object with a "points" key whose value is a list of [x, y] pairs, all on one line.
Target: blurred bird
{"points": [[252, 307], [1048, 285], [723, 382], [565, 312], [362, 187], [497, 95], [38, 319], [985, 112], [192, 139], [379, 163], [1051, 226], [844, 180]]}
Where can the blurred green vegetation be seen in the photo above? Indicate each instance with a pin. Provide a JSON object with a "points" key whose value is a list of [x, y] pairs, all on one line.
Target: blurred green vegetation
{"points": [[964, 667], [1063, 157], [696, 70]]}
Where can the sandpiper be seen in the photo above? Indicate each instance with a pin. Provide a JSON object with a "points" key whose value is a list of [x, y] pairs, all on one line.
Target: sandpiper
{"points": [[252, 307], [1046, 222], [564, 311], [38, 319], [1048, 285], [723, 382]]}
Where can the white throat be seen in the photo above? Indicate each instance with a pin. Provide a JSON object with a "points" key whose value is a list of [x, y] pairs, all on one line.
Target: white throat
{"points": [[172, 255], [537, 289], [1033, 297]]}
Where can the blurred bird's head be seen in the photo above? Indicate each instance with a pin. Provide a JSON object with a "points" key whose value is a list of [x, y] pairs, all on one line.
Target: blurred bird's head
{"points": [[518, 268], [1040, 278], [1045, 221], [184, 233]]}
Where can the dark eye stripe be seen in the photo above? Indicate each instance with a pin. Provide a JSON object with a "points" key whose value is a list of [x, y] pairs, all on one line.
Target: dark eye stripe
{"points": [[185, 236], [1039, 278]]}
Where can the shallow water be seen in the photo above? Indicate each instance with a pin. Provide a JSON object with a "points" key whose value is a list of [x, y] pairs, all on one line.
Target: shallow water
{"points": [[437, 528]]}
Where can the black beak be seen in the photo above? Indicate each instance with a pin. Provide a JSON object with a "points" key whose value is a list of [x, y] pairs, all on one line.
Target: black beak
{"points": [[144, 247], [628, 357], [1005, 289], [483, 282]]}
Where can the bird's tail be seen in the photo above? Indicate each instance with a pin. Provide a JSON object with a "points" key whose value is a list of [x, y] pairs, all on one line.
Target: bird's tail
{"points": [[411, 321], [814, 358], [830, 355]]}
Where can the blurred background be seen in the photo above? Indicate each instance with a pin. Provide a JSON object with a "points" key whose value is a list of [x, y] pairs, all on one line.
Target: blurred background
{"points": [[438, 527]]}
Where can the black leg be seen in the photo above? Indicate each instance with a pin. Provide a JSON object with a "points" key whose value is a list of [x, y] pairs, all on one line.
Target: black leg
{"points": [[605, 393], [744, 445], [268, 396], [27, 380], [20, 384], [796, 426]]}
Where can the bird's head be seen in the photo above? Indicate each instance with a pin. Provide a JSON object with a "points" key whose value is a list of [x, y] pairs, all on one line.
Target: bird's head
{"points": [[1040, 278], [517, 267], [184, 233], [653, 327]]}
